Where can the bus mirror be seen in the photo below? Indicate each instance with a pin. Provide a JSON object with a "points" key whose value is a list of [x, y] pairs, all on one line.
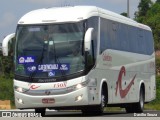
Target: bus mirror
{"points": [[88, 38], [6, 44]]}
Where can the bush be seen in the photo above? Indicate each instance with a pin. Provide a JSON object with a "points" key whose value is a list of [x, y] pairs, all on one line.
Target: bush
{"points": [[158, 65], [7, 65], [6, 88], [158, 90], [157, 100]]}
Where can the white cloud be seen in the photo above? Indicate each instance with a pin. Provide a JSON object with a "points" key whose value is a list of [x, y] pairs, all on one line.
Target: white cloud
{"points": [[7, 19]]}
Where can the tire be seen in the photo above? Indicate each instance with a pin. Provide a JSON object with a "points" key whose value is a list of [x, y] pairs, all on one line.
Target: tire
{"points": [[99, 109], [42, 111], [140, 105], [137, 107]]}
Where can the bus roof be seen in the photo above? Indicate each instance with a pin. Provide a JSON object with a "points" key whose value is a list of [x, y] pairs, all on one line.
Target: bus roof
{"points": [[74, 14]]}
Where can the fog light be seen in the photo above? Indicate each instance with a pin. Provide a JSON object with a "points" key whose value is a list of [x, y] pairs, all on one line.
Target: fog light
{"points": [[20, 101], [79, 86], [78, 98]]}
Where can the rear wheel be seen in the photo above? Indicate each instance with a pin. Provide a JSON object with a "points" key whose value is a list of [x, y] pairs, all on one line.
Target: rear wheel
{"points": [[137, 107], [140, 105], [42, 111]]}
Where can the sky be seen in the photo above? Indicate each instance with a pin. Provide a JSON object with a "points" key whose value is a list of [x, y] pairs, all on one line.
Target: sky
{"points": [[12, 10]]}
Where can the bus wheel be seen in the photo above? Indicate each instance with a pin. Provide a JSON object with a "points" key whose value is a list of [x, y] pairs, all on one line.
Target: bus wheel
{"points": [[140, 105], [103, 103], [42, 111], [98, 109], [136, 107]]}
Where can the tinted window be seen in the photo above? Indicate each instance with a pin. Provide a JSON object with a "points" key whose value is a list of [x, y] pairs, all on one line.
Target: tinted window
{"points": [[119, 36]]}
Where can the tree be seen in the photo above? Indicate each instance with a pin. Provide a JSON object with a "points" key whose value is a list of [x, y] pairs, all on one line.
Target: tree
{"points": [[149, 13], [6, 63], [153, 20], [124, 14], [158, 1], [143, 7]]}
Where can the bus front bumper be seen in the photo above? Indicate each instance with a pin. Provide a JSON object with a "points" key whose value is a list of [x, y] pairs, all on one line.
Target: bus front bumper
{"points": [[75, 98]]}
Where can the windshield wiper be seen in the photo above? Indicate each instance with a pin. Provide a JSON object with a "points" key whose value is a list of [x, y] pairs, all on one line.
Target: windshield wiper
{"points": [[39, 62]]}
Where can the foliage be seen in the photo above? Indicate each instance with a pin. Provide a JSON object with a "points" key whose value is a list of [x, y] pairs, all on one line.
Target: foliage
{"points": [[6, 64], [158, 63], [149, 14], [157, 100], [143, 7], [158, 1], [153, 20], [155, 105], [6, 88], [124, 14], [6, 78], [158, 91]]}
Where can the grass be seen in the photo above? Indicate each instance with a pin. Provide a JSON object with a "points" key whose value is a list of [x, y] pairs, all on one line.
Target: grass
{"points": [[152, 107], [155, 104], [114, 109]]}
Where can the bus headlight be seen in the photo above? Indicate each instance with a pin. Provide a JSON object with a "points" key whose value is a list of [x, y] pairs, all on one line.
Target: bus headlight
{"points": [[78, 86], [81, 85], [20, 89]]}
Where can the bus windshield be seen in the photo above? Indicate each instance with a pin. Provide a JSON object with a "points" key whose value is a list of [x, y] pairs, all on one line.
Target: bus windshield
{"points": [[50, 50]]}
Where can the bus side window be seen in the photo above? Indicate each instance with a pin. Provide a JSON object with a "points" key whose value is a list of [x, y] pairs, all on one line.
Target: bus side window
{"points": [[93, 23]]}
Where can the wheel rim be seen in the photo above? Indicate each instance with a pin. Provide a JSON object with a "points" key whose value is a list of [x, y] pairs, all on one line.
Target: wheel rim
{"points": [[103, 101], [141, 100]]}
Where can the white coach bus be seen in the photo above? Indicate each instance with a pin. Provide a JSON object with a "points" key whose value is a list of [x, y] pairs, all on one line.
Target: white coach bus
{"points": [[82, 57]]}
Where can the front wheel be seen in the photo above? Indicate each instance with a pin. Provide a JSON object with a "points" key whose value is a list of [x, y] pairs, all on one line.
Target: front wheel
{"points": [[98, 109], [101, 107], [42, 111]]}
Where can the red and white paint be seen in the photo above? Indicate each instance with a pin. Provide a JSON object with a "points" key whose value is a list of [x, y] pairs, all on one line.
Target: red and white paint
{"points": [[123, 92]]}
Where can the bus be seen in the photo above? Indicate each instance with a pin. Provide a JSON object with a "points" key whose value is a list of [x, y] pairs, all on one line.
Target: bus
{"points": [[82, 58]]}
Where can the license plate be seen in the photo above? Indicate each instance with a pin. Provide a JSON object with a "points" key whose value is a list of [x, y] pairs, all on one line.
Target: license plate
{"points": [[48, 100]]}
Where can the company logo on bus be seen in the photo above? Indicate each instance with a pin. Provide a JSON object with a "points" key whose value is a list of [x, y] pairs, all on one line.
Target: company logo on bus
{"points": [[47, 92], [33, 87], [21, 60], [123, 92], [107, 57], [24, 59], [64, 67], [31, 68], [51, 74]]}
